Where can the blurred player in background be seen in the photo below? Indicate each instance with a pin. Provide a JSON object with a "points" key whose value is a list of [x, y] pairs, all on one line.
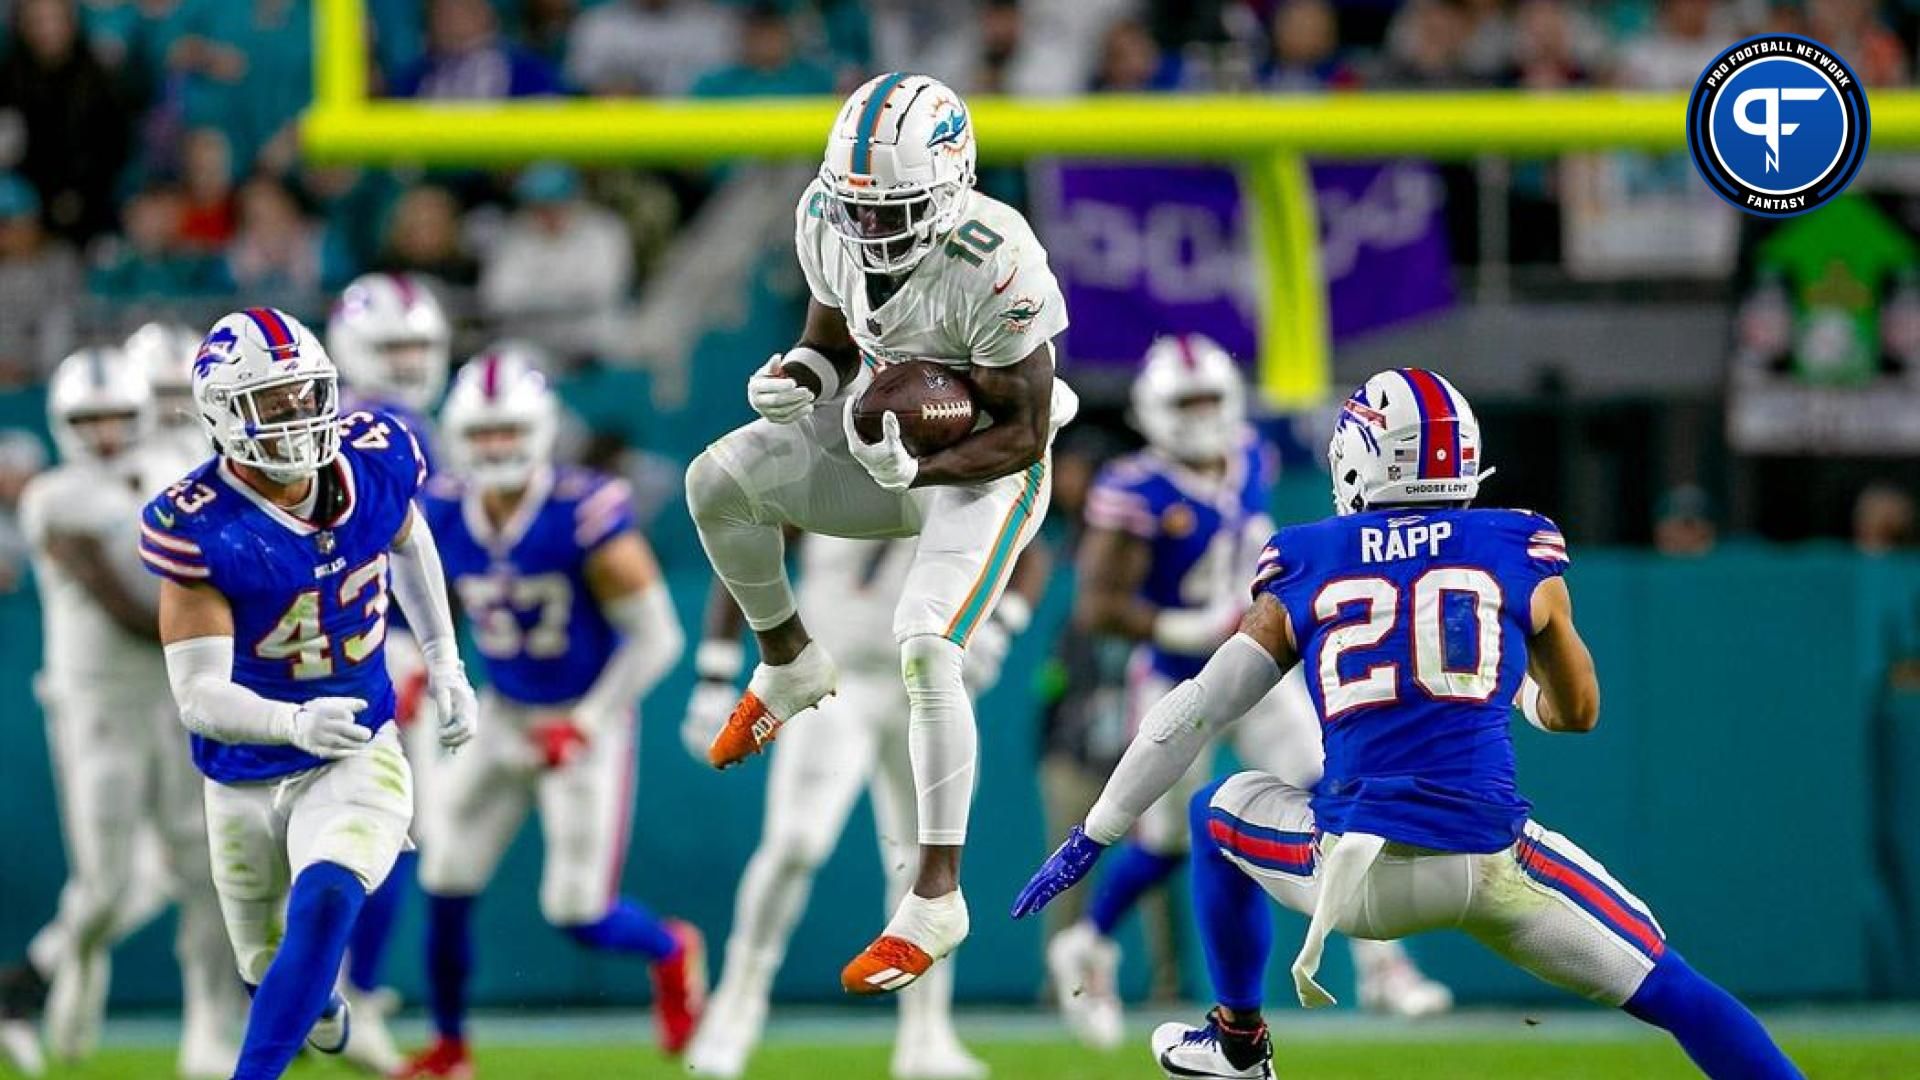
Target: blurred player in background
{"points": [[1169, 530], [123, 775], [856, 739], [1418, 622], [287, 543], [568, 607], [393, 344], [903, 260], [163, 352]]}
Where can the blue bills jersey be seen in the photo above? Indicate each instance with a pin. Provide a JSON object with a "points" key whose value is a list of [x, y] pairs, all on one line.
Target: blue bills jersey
{"points": [[1201, 530], [309, 598], [1413, 627], [423, 437], [523, 585]]}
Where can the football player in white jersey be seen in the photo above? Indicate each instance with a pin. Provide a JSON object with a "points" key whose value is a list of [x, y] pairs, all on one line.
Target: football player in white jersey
{"points": [[857, 739], [123, 772], [904, 260], [163, 353]]}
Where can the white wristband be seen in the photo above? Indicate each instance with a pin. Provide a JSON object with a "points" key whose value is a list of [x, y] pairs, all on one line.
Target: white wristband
{"points": [[822, 368], [1529, 702]]}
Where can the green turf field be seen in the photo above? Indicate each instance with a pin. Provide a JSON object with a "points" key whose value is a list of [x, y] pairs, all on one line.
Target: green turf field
{"points": [[1823, 1058]]}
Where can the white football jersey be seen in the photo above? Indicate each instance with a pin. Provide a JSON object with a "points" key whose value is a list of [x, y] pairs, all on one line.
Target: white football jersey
{"points": [[848, 590], [984, 296], [85, 650]]}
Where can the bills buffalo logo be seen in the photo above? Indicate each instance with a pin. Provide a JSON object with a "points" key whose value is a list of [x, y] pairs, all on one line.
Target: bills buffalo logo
{"points": [[1020, 314], [218, 348], [950, 131]]}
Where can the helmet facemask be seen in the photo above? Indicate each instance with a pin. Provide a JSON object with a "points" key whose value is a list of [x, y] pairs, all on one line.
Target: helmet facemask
{"points": [[890, 232], [500, 454], [104, 435], [287, 428]]}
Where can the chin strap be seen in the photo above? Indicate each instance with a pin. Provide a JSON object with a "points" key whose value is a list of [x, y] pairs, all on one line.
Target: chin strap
{"points": [[1340, 881]]}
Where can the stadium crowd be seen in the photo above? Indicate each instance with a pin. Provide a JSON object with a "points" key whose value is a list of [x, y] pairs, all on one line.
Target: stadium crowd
{"points": [[149, 165]]}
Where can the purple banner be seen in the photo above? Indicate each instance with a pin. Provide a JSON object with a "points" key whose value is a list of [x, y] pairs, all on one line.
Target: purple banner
{"points": [[1144, 250]]}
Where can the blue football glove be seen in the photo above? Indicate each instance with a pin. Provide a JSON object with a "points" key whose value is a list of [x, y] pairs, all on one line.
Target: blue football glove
{"points": [[1070, 862]]}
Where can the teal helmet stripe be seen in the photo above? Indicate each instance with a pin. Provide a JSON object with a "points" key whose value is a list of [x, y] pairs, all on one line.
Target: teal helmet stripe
{"points": [[870, 119]]}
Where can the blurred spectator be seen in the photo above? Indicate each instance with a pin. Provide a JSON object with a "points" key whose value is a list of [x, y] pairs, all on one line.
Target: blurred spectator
{"points": [[1130, 62], [1426, 45], [1306, 44], [765, 62], [78, 124], [277, 251], [1683, 522], [1000, 29], [543, 28], [248, 70], [560, 268], [1883, 519], [206, 166], [21, 456], [423, 237], [148, 261], [1852, 28], [1686, 35], [1554, 47], [639, 48], [39, 280], [468, 59]]}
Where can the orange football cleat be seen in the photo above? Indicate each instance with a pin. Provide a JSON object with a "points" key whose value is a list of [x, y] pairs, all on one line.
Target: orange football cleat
{"points": [[889, 964], [750, 729]]}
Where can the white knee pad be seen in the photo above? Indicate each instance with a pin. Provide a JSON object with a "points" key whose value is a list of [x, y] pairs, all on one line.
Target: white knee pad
{"points": [[941, 736], [748, 554], [714, 495]]}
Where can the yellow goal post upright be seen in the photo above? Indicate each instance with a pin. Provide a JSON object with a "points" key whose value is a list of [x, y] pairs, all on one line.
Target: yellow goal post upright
{"points": [[1266, 136]]}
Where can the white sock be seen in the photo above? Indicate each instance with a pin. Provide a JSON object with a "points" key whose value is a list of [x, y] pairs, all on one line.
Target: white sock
{"points": [[937, 926], [941, 737]]}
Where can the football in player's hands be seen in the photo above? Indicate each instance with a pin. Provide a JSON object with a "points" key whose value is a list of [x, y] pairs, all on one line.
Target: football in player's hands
{"points": [[934, 404]]}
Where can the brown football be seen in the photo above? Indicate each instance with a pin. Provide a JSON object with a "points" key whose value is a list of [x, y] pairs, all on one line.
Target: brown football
{"points": [[933, 401]]}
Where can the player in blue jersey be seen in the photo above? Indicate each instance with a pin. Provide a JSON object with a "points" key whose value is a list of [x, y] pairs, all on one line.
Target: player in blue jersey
{"points": [[569, 610], [391, 339], [1168, 531], [1419, 622], [276, 559]]}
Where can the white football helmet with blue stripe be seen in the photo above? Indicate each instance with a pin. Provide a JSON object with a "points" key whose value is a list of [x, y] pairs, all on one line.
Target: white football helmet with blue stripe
{"points": [[898, 166], [268, 394], [98, 406], [1406, 436]]}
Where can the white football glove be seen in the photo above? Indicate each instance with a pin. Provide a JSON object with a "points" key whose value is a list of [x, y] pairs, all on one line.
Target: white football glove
{"points": [[707, 711], [780, 399], [454, 701], [986, 652], [325, 727], [887, 461]]}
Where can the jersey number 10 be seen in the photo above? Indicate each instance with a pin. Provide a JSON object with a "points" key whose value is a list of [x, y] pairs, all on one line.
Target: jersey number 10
{"points": [[1381, 614]]}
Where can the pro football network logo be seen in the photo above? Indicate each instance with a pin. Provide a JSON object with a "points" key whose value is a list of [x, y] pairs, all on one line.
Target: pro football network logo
{"points": [[1777, 125]]}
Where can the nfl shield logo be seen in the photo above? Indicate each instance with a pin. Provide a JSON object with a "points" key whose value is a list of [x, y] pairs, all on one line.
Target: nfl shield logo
{"points": [[324, 541]]}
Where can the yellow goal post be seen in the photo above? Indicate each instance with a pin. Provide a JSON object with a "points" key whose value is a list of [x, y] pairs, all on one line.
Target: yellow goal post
{"points": [[1267, 136]]}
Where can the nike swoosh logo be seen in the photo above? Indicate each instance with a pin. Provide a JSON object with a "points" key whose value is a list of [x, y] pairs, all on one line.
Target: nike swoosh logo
{"points": [[1002, 287], [165, 518]]}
